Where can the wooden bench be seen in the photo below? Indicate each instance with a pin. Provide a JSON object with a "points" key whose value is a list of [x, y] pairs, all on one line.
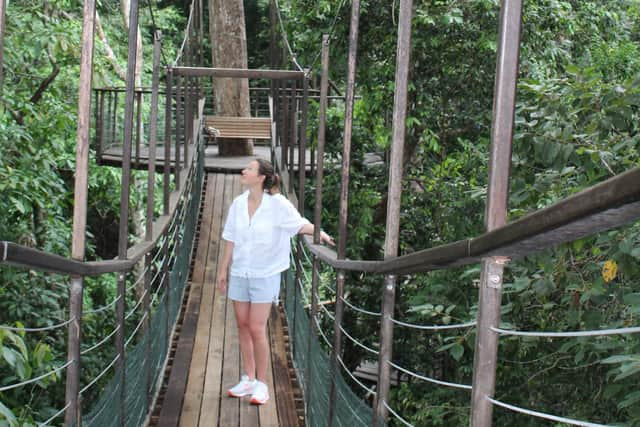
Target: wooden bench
{"points": [[238, 127]]}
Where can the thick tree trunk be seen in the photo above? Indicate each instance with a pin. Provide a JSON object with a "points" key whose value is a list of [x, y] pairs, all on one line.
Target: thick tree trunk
{"points": [[229, 50]]}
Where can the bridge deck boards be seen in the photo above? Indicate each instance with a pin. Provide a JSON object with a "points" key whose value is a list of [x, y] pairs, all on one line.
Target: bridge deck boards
{"points": [[207, 361]]}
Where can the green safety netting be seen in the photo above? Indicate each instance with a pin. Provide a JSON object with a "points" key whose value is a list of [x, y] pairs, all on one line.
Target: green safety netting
{"points": [[145, 359], [312, 360]]}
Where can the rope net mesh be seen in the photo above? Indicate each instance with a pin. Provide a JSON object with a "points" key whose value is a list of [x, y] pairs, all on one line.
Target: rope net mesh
{"points": [[139, 359], [311, 359]]}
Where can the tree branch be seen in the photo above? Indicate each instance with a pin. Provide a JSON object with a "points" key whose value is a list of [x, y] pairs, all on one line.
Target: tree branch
{"points": [[108, 51]]}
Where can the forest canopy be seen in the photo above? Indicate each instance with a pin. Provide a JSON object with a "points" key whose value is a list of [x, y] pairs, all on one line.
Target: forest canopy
{"points": [[577, 124]]}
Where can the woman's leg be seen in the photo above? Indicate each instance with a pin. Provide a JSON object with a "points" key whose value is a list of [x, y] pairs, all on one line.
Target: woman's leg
{"points": [[259, 313], [243, 310]]}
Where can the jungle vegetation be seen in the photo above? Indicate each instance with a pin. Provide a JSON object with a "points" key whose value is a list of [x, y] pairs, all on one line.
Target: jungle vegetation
{"points": [[576, 125]]}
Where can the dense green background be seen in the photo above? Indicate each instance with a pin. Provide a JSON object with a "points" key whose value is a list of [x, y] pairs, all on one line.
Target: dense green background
{"points": [[577, 124]]}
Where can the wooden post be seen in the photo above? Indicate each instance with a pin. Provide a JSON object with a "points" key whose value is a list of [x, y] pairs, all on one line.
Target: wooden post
{"points": [[186, 119], [167, 139], [317, 214], [302, 158], [114, 118], [100, 127], [293, 121], [344, 199], [151, 179], [176, 169], [3, 24], [504, 101], [72, 393], [284, 134], [123, 235], [138, 125], [394, 202]]}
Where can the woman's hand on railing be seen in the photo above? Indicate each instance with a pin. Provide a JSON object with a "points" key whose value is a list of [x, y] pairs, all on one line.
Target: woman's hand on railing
{"points": [[325, 238]]}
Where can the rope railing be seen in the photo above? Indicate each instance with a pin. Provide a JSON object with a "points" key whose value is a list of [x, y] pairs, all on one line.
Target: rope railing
{"points": [[102, 308], [42, 329], [544, 415], [357, 381], [573, 334], [135, 330], [433, 327], [358, 343], [100, 375], [396, 415], [36, 379], [359, 309], [186, 35], [322, 334], [428, 379], [54, 416], [101, 342], [285, 38]]}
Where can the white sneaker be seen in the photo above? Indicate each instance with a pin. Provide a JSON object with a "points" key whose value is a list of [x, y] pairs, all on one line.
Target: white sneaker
{"points": [[260, 394], [244, 388]]}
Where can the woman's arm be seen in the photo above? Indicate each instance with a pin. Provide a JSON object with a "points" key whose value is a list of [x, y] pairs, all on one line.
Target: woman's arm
{"points": [[223, 268], [324, 237]]}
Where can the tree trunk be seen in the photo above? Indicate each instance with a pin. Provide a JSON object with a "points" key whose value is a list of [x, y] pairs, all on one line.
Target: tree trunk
{"points": [[229, 50]]}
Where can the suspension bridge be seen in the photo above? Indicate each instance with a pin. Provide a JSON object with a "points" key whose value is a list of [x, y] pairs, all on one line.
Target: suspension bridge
{"points": [[176, 345]]}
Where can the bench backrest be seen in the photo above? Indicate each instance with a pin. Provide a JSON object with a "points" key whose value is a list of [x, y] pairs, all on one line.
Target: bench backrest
{"points": [[240, 127]]}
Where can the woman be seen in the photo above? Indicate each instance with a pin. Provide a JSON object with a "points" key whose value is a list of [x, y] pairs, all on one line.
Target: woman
{"points": [[257, 243]]}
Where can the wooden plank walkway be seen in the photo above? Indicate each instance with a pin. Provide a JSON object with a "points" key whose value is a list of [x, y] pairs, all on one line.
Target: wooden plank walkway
{"points": [[207, 360]]}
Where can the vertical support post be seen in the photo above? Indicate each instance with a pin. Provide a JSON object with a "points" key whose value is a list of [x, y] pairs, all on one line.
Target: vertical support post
{"points": [[294, 132], [72, 392], [3, 25], [151, 179], [317, 214], [344, 198], [186, 118], [167, 139], [177, 166], [138, 125], [302, 157], [284, 134], [114, 118], [124, 203], [100, 123], [504, 101], [394, 202]]}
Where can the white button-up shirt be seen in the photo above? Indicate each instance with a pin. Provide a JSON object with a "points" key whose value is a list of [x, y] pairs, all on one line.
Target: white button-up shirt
{"points": [[261, 244]]}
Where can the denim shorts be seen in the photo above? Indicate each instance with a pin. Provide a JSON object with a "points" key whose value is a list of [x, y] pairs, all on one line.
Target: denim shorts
{"points": [[254, 289]]}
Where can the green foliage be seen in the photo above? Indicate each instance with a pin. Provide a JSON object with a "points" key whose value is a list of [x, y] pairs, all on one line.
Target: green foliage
{"points": [[576, 125], [38, 120]]}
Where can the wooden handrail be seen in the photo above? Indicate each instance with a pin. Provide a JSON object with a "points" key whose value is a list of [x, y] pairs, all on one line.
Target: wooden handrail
{"points": [[238, 73], [603, 206], [606, 205]]}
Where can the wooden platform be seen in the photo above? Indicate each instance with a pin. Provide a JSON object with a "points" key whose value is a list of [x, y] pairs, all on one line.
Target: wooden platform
{"points": [[207, 359], [212, 161]]}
